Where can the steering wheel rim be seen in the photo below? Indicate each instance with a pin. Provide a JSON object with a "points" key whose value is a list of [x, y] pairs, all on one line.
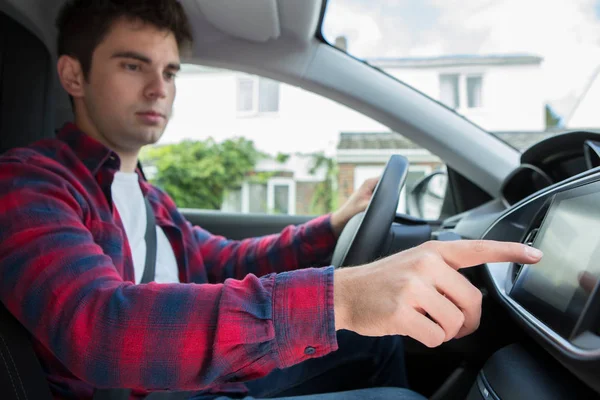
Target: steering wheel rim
{"points": [[363, 236]]}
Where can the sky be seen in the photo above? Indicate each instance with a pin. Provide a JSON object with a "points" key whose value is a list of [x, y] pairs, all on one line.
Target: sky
{"points": [[566, 33]]}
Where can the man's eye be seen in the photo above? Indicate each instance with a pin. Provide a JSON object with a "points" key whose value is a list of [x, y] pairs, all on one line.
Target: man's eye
{"points": [[132, 67], [170, 76]]}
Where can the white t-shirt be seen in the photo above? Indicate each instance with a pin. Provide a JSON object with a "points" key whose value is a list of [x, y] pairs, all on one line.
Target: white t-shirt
{"points": [[127, 196]]}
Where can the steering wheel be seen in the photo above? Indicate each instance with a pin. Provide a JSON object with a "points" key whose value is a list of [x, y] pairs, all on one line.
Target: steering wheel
{"points": [[363, 236]]}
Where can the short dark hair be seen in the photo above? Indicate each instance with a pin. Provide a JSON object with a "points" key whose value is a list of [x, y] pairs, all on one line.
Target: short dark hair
{"points": [[83, 24]]}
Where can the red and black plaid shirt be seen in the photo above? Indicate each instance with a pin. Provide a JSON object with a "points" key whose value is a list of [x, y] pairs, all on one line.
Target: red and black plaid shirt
{"points": [[66, 272]]}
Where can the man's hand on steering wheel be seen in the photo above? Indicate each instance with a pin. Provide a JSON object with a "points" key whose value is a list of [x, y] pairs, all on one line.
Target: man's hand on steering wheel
{"points": [[358, 202]]}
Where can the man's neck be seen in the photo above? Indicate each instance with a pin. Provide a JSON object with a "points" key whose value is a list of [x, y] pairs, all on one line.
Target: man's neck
{"points": [[128, 163]]}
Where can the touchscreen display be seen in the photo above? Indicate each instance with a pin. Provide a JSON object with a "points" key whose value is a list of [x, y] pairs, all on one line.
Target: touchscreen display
{"points": [[558, 287]]}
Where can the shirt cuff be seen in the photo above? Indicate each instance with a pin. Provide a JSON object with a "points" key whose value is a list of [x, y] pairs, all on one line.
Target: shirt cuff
{"points": [[303, 315], [318, 241]]}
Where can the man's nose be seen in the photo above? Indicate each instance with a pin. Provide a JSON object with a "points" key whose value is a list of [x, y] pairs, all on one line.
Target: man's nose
{"points": [[156, 87]]}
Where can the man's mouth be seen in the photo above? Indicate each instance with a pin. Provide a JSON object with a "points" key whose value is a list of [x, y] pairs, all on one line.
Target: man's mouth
{"points": [[151, 117], [152, 113]]}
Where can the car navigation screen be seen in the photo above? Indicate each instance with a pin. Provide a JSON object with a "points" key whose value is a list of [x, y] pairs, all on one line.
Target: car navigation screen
{"points": [[557, 289]]}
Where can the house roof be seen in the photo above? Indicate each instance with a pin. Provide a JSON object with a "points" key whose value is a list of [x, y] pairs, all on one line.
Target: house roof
{"points": [[392, 140], [375, 141], [456, 60]]}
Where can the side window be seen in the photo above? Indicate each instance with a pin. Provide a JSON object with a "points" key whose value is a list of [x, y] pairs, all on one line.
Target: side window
{"points": [[247, 144]]}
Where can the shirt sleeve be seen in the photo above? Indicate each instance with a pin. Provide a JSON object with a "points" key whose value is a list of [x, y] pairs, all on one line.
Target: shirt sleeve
{"points": [[296, 247], [57, 280]]}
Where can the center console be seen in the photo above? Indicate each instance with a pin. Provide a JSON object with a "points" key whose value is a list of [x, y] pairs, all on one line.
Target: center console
{"points": [[514, 373], [557, 300]]}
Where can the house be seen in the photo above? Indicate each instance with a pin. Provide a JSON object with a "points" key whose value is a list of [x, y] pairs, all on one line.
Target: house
{"points": [[281, 118], [487, 89], [362, 155], [288, 185]]}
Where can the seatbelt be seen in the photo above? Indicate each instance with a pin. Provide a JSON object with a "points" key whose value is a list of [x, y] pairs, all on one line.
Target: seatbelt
{"points": [[150, 267]]}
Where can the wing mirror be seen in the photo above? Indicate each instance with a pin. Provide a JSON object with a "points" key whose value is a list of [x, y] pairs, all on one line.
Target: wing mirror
{"points": [[427, 196]]}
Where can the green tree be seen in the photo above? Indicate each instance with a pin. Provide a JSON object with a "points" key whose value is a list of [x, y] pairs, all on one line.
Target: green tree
{"points": [[553, 120], [324, 199], [196, 174]]}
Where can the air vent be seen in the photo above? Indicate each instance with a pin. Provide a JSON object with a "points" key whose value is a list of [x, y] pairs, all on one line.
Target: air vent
{"points": [[516, 270], [529, 239]]}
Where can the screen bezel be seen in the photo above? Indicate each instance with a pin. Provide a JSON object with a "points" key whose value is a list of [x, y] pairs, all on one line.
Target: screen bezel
{"points": [[564, 323]]}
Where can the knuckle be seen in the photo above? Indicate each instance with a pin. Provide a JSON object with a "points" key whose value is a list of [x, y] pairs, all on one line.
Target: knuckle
{"points": [[427, 260], [414, 286], [430, 246]]}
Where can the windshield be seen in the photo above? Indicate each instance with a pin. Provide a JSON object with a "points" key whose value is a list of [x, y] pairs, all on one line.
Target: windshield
{"points": [[521, 69]]}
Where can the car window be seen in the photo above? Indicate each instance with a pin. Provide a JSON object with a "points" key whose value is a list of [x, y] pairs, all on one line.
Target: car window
{"points": [[247, 144], [523, 70]]}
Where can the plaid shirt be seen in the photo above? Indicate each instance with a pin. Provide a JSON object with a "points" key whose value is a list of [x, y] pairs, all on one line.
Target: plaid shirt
{"points": [[66, 272]]}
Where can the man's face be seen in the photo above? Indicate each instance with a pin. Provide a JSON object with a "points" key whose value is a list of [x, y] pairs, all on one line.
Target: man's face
{"points": [[128, 97]]}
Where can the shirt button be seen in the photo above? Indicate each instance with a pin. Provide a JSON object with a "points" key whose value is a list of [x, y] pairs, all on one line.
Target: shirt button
{"points": [[310, 351]]}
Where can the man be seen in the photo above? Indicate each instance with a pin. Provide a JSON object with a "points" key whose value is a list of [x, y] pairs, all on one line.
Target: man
{"points": [[261, 311]]}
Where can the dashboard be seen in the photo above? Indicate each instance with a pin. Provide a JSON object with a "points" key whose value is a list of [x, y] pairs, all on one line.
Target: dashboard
{"points": [[551, 161], [551, 202]]}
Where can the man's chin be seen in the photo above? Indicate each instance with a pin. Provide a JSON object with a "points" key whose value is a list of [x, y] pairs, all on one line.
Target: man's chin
{"points": [[145, 137]]}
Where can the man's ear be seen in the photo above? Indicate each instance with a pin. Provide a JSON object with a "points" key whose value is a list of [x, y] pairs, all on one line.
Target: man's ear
{"points": [[71, 75]]}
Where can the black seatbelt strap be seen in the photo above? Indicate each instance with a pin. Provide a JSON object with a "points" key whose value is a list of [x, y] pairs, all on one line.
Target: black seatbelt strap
{"points": [[150, 267]]}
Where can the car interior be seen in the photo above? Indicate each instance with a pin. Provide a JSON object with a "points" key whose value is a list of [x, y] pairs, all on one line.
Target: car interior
{"points": [[539, 336]]}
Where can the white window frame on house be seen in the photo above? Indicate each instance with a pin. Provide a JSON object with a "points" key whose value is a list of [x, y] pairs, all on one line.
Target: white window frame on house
{"points": [[256, 93], [466, 90], [463, 93], [291, 193], [271, 183]]}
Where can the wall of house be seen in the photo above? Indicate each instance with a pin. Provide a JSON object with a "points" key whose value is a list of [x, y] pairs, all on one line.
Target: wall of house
{"points": [[305, 192], [507, 103]]}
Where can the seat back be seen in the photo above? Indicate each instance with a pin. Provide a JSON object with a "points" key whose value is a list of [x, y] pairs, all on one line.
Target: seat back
{"points": [[21, 375], [26, 115]]}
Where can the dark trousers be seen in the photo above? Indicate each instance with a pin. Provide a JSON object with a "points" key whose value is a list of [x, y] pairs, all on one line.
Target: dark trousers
{"points": [[362, 368]]}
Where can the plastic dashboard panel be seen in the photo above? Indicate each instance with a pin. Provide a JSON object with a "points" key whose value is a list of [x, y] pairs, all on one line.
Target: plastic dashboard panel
{"points": [[580, 355]]}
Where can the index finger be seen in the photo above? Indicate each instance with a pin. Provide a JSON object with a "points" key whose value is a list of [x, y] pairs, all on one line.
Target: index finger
{"points": [[468, 253]]}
